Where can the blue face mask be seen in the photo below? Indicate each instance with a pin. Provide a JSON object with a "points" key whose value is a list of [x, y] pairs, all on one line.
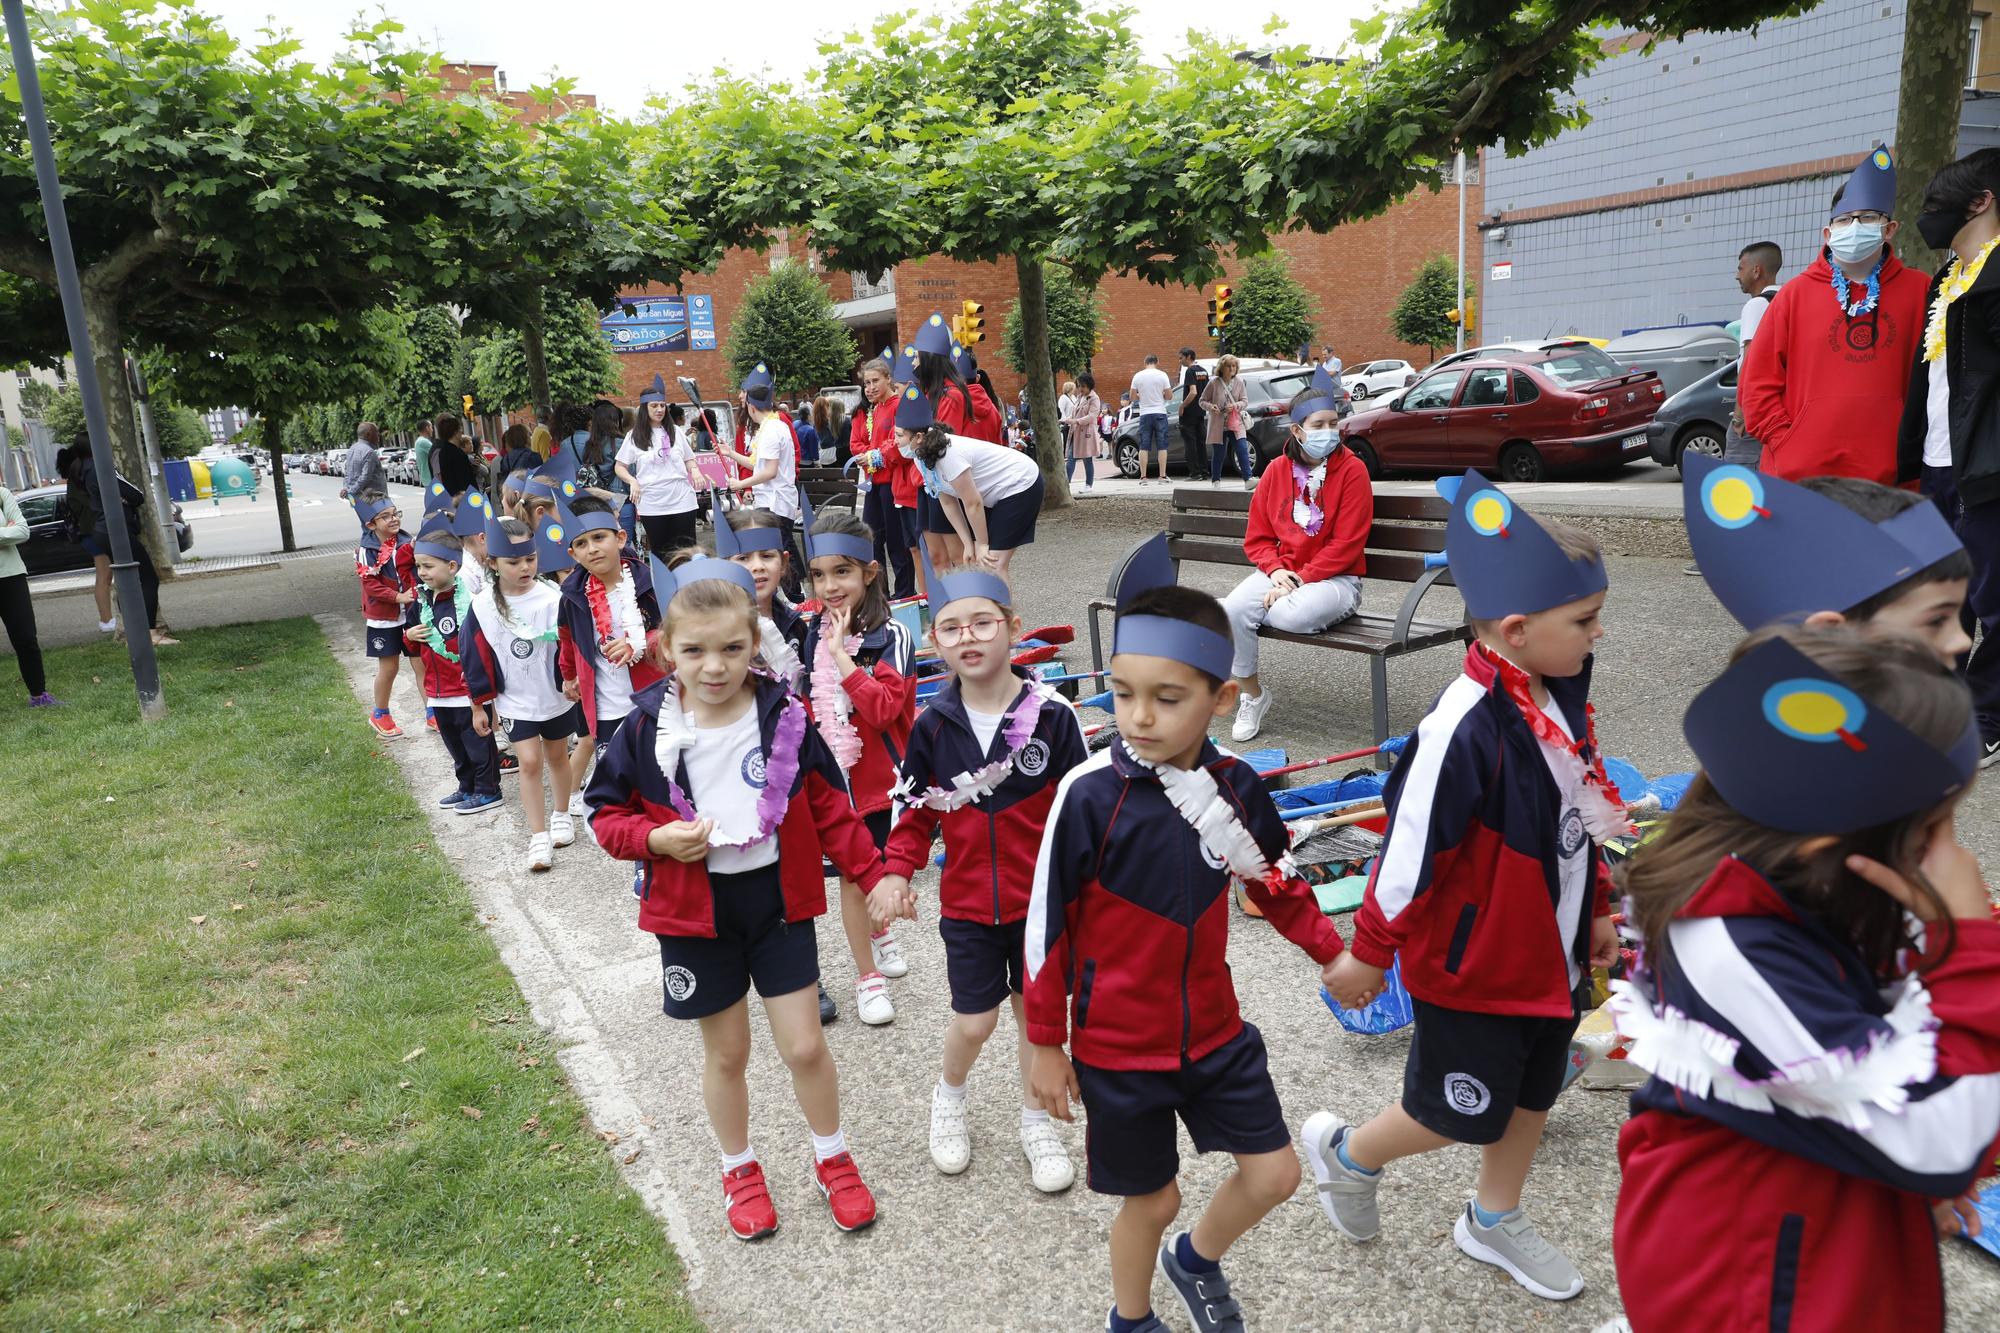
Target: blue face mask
{"points": [[1855, 242], [1319, 443]]}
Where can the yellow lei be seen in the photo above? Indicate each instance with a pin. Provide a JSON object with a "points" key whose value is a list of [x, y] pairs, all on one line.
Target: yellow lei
{"points": [[1957, 282]]}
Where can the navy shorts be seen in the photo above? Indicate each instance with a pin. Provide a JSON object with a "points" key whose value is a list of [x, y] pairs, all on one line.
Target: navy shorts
{"points": [[1467, 1072], [1226, 1099], [1011, 523], [91, 547], [982, 963], [387, 641], [558, 728], [753, 944]]}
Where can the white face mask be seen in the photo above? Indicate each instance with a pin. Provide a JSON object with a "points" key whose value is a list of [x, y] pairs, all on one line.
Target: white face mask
{"points": [[1319, 443], [1854, 242]]}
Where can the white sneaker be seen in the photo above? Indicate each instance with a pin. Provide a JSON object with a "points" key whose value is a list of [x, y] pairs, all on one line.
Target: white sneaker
{"points": [[889, 959], [1250, 716], [1249, 483], [107, 626], [539, 855], [1048, 1160], [951, 1138], [1083, 489], [871, 1000], [577, 809], [562, 828]]}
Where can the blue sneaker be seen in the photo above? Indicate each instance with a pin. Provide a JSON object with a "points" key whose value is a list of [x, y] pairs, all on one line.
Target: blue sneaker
{"points": [[1205, 1295], [477, 802], [452, 801], [1151, 1324]]}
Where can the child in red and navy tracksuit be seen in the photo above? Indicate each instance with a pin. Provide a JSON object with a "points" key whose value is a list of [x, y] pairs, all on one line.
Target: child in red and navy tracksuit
{"points": [[607, 620], [1822, 1027], [861, 688], [1490, 887], [388, 571], [984, 760], [725, 798], [444, 604], [1125, 953]]}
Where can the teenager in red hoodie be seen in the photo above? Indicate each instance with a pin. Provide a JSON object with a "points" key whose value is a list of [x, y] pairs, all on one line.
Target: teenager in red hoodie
{"points": [[1827, 374], [891, 506], [1308, 526], [860, 685]]}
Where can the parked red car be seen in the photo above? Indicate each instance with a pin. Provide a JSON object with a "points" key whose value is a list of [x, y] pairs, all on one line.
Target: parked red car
{"points": [[1514, 416]]}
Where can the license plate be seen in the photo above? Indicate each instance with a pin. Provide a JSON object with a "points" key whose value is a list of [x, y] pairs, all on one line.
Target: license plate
{"points": [[1635, 441]]}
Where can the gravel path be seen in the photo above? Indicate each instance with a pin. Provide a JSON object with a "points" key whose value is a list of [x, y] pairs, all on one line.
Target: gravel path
{"points": [[983, 1250]]}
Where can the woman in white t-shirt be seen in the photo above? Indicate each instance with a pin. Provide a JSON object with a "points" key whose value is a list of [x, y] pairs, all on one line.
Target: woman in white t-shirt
{"points": [[773, 460], [656, 463], [984, 498]]}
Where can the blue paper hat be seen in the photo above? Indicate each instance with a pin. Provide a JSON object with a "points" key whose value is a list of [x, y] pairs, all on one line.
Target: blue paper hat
{"points": [[962, 362], [934, 335], [729, 542], [667, 582], [656, 392], [903, 369], [468, 516], [1773, 550], [539, 488], [369, 510], [1322, 395], [858, 549], [499, 546], [1791, 746], [427, 544], [941, 590], [1872, 187], [560, 466], [759, 386], [436, 497], [575, 525], [551, 546], [1504, 562], [913, 410], [1150, 566]]}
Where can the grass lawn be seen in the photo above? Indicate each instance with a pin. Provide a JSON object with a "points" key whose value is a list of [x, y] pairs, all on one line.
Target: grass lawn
{"points": [[259, 1064]]}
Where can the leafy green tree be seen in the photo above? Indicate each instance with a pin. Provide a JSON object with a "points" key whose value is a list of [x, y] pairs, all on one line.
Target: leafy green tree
{"points": [[1937, 50], [16, 438], [786, 321], [62, 413], [36, 396], [581, 365], [182, 433], [1077, 325], [429, 383], [1270, 313], [1421, 313]]}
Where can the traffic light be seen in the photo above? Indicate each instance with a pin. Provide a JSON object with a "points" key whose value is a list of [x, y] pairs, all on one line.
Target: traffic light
{"points": [[1221, 304], [972, 323], [467, 400], [1214, 329]]}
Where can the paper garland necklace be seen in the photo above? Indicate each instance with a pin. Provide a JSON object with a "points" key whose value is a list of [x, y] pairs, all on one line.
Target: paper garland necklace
{"points": [[1196, 797], [1958, 280], [460, 599], [387, 562], [513, 626], [781, 766], [1600, 804], [831, 706], [1306, 485], [1874, 294], [1017, 730], [614, 613]]}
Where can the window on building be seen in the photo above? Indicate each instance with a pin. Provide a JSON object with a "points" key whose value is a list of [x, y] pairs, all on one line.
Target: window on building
{"points": [[1972, 64]]}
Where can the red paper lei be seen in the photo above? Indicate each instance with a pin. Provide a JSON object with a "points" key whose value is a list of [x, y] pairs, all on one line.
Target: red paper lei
{"points": [[388, 561], [600, 608], [1514, 682]]}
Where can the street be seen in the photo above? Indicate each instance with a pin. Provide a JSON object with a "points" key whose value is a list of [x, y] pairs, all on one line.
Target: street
{"points": [[237, 527]]}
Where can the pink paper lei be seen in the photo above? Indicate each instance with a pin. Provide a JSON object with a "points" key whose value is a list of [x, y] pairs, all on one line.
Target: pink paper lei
{"points": [[1309, 516], [781, 766], [831, 706], [966, 788]]}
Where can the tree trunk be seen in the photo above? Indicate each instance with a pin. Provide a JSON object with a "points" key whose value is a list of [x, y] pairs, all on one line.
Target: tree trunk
{"points": [[1034, 306], [1937, 50], [128, 452], [536, 356], [274, 441]]}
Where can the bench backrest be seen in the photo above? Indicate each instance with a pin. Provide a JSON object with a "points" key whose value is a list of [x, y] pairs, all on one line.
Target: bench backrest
{"points": [[1208, 525], [828, 486]]}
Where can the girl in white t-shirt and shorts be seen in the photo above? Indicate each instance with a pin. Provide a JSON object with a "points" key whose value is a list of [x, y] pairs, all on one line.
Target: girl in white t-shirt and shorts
{"points": [[984, 498], [656, 463]]}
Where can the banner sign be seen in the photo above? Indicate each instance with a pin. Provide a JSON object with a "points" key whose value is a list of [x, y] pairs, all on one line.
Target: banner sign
{"points": [[662, 324]]}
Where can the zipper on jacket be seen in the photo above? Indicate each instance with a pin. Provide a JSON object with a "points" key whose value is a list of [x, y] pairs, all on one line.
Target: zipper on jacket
{"points": [[993, 863]]}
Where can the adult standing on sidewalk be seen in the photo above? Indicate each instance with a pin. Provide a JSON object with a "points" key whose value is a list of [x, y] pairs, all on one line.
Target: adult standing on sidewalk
{"points": [[423, 453], [364, 472], [1824, 384], [451, 459], [1194, 431], [1227, 404], [1150, 388], [1757, 266], [1951, 423], [890, 508], [17, 607], [82, 473], [1080, 429]]}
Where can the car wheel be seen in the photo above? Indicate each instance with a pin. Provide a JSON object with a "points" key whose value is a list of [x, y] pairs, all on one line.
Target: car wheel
{"points": [[1359, 393], [1128, 459], [1521, 462], [1365, 452], [1701, 439]]}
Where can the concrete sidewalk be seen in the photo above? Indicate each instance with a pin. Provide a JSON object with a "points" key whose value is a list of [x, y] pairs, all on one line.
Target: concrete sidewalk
{"points": [[983, 1250]]}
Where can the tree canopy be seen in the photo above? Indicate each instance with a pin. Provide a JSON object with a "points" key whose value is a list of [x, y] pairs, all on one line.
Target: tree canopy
{"points": [[1421, 315], [1077, 324], [1271, 314], [786, 322], [581, 365]]}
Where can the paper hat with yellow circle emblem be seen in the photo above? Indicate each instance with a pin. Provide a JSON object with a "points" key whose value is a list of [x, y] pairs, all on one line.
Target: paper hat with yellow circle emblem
{"points": [[1503, 561]]}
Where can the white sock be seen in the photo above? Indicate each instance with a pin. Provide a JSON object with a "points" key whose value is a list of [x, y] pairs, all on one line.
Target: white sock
{"points": [[1033, 1115], [833, 1145], [948, 1092], [732, 1160]]}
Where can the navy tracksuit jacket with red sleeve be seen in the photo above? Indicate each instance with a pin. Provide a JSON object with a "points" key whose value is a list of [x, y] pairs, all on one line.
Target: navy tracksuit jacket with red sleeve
{"points": [[1779, 1165], [628, 799], [577, 653], [1129, 917], [1469, 875], [990, 844], [883, 690]]}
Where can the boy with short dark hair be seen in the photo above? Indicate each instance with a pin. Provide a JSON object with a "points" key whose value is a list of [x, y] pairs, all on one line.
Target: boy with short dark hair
{"points": [[1126, 943], [1490, 888], [443, 603], [607, 620]]}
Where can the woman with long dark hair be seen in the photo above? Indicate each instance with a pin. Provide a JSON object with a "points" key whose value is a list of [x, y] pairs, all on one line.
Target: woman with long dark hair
{"points": [[654, 461], [451, 457], [83, 474]]}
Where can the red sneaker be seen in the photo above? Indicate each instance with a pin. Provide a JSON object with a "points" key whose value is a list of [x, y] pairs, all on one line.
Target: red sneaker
{"points": [[840, 1181], [385, 726], [751, 1216]]}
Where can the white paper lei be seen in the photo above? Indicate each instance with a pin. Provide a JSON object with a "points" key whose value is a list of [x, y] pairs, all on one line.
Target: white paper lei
{"points": [[623, 601], [675, 735], [1018, 728], [1194, 794], [778, 653]]}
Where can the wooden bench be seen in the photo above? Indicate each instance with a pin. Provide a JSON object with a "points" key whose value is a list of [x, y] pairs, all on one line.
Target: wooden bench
{"points": [[828, 486], [1208, 525]]}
